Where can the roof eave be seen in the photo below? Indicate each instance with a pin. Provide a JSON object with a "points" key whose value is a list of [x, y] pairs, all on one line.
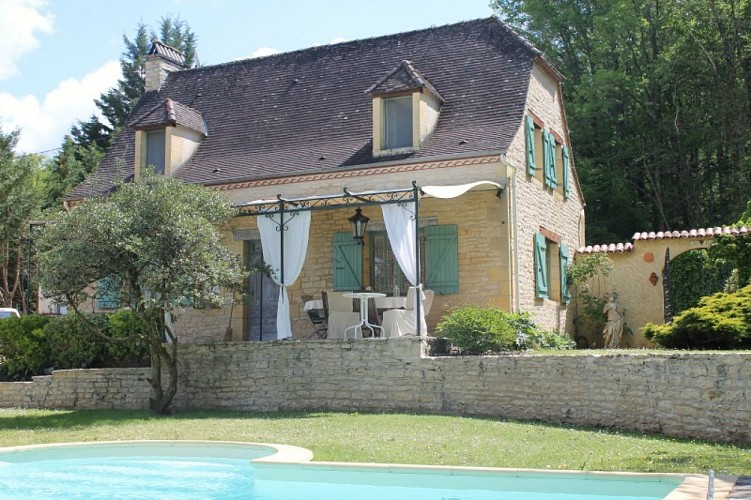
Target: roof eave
{"points": [[393, 163]]}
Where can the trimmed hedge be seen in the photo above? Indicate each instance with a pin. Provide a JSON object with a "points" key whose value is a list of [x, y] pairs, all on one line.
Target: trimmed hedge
{"points": [[33, 344], [720, 321]]}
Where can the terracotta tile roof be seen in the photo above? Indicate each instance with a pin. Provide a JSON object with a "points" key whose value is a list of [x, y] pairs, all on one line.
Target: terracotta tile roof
{"points": [[706, 233], [307, 112], [169, 112], [611, 248], [709, 232], [167, 52]]}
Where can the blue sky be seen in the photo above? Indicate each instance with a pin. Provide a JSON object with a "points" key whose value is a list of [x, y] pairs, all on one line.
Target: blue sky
{"points": [[57, 56]]}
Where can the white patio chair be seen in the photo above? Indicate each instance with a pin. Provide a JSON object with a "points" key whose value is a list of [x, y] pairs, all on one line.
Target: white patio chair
{"points": [[340, 314], [400, 322]]}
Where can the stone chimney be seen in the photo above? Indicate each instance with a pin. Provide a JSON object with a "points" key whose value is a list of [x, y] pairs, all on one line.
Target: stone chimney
{"points": [[160, 62]]}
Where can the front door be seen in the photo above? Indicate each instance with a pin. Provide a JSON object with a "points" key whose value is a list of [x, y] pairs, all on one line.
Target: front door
{"points": [[263, 297]]}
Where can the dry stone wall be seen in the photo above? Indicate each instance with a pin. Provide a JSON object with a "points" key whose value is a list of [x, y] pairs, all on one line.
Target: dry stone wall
{"points": [[702, 395]]}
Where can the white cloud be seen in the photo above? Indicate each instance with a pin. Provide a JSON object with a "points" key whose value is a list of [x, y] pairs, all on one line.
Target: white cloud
{"points": [[19, 22], [332, 42], [264, 51], [44, 124]]}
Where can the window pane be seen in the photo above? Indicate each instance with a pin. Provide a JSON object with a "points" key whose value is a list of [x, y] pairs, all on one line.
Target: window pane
{"points": [[155, 150], [385, 270], [398, 126]]}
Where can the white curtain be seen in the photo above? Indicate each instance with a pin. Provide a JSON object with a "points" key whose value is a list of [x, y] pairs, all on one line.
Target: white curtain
{"points": [[400, 226], [295, 248], [401, 230]]}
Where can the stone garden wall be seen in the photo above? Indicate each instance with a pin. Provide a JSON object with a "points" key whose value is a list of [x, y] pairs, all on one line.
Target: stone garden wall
{"points": [[687, 394]]}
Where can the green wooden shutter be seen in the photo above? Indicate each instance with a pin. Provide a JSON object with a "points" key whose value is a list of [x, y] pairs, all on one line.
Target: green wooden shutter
{"points": [[565, 259], [347, 263], [548, 141], [541, 266], [566, 182], [442, 258], [108, 294], [529, 136], [545, 158], [553, 161]]}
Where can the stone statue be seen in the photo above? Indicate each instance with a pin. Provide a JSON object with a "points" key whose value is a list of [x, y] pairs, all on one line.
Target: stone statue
{"points": [[614, 326]]}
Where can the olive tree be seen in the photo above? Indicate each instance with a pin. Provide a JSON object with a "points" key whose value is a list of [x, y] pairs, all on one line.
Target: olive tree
{"points": [[156, 243]]}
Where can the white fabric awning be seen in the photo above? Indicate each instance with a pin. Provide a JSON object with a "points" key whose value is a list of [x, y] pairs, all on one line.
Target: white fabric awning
{"points": [[454, 191]]}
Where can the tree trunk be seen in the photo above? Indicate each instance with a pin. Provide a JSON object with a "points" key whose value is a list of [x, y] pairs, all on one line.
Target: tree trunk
{"points": [[162, 355]]}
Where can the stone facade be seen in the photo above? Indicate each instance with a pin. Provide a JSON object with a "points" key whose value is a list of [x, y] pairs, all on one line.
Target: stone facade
{"points": [[693, 395], [496, 254]]}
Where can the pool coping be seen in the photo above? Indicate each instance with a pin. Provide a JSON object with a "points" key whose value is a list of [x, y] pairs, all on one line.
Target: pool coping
{"points": [[693, 486]]}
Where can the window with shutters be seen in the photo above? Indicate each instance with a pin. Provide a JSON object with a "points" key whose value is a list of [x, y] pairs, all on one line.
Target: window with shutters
{"points": [[108, 293], [551, 263], [439, 261]]}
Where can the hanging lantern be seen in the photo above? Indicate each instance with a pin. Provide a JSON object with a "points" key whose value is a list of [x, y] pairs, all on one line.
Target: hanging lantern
{"points": [[359, 224]]}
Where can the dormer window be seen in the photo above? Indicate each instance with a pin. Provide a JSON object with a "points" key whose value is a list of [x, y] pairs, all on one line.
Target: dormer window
{"points": [[155, 151], [397, 122], [405, 111], [167, 136]]}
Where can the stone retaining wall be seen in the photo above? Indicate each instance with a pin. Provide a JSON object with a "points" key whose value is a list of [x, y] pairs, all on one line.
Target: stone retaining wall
{"points": [[688, 394]]}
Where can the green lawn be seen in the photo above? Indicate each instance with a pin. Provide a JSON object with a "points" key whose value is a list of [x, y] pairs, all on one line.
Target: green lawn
{"points": [[392, 438]]}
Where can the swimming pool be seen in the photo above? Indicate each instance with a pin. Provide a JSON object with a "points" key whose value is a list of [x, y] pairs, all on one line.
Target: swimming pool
{"points": [[188, 470]]}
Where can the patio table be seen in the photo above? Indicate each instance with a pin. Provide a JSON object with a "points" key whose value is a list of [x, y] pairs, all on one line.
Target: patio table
{"points": [[364, 297]]}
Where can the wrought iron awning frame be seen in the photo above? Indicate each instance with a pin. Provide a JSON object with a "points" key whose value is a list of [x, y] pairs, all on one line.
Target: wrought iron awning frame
{"points": [[347, 199]]}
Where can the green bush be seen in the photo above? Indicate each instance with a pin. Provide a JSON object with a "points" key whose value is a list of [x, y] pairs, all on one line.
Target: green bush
{"points": [[720, 321], [31, 344], [130, 347], [23, 350], [72, 344], [478, 330]]}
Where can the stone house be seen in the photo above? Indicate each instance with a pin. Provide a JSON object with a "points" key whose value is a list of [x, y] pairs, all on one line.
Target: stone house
{"points": [[363, 124]]}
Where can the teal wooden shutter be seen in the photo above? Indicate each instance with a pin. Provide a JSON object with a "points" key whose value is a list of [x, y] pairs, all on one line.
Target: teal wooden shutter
{"points": [[565, 259], [442, 258], [549, 160], [541, 266], [566, 182], [347, 263], [108, 294], [529, 136], [553, 161]]}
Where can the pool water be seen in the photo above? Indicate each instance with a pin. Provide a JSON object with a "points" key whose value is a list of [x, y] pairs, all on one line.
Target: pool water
{"points": [[225, 472]]}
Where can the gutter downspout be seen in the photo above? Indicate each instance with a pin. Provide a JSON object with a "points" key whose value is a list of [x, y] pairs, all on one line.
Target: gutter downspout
{"points": [[515, 236]]}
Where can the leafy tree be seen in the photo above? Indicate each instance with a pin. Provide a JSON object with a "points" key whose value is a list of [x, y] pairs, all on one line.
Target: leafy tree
{"points": [[735, 250], [155, 244], [19, 199], [116, 104], [84, 147], [658, 97]]}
